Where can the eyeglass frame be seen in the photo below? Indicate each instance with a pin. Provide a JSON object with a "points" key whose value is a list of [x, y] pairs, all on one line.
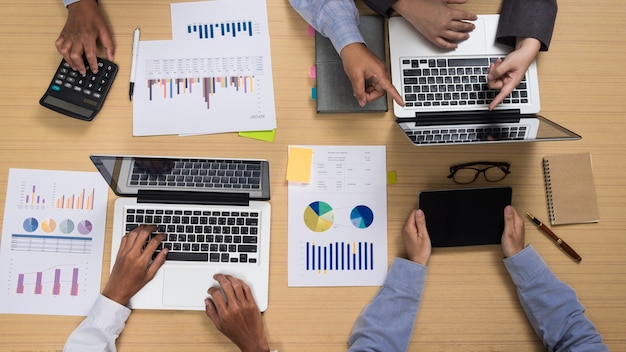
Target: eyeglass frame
{"points": [[502, 165]]}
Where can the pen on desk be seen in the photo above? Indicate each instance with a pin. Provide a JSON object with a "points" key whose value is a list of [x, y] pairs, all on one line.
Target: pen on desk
{"points": [[559, 242], [133, 63]]}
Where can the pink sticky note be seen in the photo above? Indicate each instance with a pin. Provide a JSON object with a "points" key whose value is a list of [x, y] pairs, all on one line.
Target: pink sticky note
{"points": [[313, 72], [311, 31]]}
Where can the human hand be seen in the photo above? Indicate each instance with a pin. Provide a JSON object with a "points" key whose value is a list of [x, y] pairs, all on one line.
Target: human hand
{"points": [[83, 27], [235, 314], [506, 75], [513, 234], [440, 24], [368, 74], [134, 266], [416, 239]]}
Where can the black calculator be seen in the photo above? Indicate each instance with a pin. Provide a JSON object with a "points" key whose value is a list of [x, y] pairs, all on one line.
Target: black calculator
{"points": [[78, 96]]}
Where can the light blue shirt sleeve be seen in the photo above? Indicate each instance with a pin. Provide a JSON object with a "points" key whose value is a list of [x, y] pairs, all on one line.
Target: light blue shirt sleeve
{"points": [[338, 20], [69, 2], [551, 306], [386, 323], [100, 329]]}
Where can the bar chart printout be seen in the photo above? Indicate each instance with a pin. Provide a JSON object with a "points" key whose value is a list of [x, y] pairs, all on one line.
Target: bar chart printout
{"points": [[52, 242], [337, 222], [215, 76]]}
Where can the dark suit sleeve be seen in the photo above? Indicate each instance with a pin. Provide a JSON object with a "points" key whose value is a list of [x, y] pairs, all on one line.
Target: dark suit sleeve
{"points": [[527, 18], [382, 7]]}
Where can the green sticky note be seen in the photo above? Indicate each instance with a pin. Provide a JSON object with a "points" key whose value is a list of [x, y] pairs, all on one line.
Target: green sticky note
{"points": [[266, 136]]}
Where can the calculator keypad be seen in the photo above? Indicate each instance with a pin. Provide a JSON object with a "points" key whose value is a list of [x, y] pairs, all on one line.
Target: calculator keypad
{"points": [[91, 85], [70, 93]]}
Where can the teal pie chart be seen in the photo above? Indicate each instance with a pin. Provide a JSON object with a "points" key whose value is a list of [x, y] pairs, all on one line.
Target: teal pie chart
{"points": [[361, 216]]}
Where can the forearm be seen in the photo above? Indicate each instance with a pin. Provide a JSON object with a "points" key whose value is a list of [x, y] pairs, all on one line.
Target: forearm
{"points": [[100, 329], [338, 20], [387, 321], [551, 306], [528, 18]]}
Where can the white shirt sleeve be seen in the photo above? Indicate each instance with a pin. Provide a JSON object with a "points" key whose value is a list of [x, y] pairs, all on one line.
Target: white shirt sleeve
{"points": [[100, 329], [69, 2]]}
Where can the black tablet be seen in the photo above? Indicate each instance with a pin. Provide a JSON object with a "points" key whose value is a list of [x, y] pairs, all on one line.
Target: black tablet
{"points": [[465, 217]]}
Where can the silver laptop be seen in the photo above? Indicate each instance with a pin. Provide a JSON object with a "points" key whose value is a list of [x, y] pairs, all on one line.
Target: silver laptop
{"points": [[215, 215], [447, 96]]}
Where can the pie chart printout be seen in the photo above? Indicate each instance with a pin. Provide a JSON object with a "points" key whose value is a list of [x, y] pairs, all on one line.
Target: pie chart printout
{"points": [[66, 226], [362, 217], [319, 216], [30, 224], [85, 227]]}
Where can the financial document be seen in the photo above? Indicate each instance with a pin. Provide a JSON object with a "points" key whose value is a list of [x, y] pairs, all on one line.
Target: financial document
{"points": [[52, 242], [215, 76], [337, 228]]}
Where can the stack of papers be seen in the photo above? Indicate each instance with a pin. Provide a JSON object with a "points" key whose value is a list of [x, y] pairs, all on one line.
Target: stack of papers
{"points": [[215, 76]]}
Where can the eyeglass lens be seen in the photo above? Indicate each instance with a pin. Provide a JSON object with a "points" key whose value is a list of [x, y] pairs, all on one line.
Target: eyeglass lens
{"points": [[469, 174]]}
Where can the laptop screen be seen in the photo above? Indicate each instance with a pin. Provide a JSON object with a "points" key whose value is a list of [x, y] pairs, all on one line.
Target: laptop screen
{"points": [[127, 175]]}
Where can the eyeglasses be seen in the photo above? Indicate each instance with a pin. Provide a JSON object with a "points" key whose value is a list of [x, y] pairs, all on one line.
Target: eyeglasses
{"points": [[468, 173]]}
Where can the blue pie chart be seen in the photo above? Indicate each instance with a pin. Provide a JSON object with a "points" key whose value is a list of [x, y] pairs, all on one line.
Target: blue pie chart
{"points": [[30, 224], [362, 216]]}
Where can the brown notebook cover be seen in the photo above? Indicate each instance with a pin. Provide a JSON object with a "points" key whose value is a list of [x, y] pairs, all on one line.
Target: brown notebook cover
{"points": [[570, 189]]}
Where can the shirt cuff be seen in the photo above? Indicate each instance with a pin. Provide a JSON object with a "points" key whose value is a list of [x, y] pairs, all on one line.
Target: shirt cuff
{"points": [[69, 2], [109, 315], [406, 275], [524, 265]]}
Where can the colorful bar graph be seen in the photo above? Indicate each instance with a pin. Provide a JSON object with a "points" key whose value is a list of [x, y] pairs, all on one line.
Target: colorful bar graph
{"points": [[171, 87], [339, 256], [227, 29], [80, 200], [54, 281], [33, 198]]}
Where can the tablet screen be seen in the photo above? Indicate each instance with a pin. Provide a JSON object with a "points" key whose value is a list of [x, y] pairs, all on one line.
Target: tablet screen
{"points": [[465, 217]]}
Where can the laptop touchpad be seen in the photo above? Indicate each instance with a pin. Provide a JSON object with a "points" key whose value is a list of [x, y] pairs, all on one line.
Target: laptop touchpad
{"points": [[185, 286]]}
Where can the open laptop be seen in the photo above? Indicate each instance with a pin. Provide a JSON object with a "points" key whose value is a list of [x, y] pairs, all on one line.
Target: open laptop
{"points": [[214, 213], [447, 96]]}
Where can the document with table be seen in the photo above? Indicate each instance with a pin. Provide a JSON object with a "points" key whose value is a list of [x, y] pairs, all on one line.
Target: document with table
{"points": [[215, 76], [52, 242], [337, 224]]}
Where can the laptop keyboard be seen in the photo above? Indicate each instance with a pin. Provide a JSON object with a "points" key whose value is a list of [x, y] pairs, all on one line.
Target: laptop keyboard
{"points": [[464, 135], [197, 173], [452, 82], [195, 235]]}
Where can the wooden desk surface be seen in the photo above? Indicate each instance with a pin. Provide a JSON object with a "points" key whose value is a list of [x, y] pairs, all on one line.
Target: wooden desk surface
{"points": [[469, 303]]}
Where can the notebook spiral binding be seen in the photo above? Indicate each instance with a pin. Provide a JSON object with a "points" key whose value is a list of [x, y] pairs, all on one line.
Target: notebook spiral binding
{"points": [[548, 183]]}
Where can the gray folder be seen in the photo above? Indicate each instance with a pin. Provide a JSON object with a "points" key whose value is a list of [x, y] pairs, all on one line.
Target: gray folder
{"points": [[334, 90]]}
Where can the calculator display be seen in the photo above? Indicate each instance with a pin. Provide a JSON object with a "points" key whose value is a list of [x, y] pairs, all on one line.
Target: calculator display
{"points": [[78, 96]]}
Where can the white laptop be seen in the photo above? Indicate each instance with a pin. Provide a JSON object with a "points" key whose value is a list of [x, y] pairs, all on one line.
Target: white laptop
{"points": [[215, 215], [446, 92]]}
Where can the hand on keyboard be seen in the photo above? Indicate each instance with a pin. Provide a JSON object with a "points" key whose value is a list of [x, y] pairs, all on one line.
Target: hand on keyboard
{"points": [[134, 266], [506, 75], [368, 74]]}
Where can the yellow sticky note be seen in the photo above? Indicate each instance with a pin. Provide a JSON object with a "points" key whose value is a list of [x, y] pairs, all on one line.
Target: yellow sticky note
{"points": [[392, 179], [266, 136], [299, 164]]}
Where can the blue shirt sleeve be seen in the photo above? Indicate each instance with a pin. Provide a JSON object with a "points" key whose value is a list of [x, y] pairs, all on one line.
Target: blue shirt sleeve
{"points": [[386, 323], [551, 306], [69, 2], [338, 20]]}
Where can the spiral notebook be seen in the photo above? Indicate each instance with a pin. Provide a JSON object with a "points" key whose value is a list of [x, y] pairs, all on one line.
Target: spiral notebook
{"points": [[570, 189]]}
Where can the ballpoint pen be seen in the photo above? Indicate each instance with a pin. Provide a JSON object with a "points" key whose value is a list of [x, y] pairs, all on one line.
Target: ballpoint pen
{"points": [[559, 242], [133, 64]]}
